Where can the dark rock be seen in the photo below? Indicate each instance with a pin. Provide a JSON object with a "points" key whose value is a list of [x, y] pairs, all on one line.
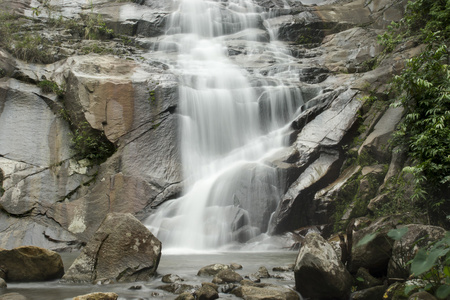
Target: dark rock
{"points": [[374, 255], [373, 293], [212, 270], [367, 280], [319, 273], [206, 292], [404, 250], [227, 276], [121, 250], [421, 296], [29, 263]]}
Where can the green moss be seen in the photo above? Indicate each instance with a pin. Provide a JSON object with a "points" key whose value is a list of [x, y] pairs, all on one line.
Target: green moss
{"points": [[48, 86], [91, 144]]}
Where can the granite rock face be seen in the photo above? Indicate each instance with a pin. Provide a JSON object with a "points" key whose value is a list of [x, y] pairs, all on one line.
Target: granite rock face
{"points": [[129, 97], [122, 250]]}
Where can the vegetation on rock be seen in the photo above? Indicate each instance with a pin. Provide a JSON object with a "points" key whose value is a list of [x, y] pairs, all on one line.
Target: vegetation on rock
{"points": [[423, 89]]}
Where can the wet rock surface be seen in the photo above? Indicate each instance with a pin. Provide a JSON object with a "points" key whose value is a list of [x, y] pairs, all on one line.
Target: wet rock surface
{"points": [[132, 101]]}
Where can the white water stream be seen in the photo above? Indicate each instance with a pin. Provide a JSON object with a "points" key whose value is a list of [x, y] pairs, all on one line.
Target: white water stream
{"points": [[231, 121]]}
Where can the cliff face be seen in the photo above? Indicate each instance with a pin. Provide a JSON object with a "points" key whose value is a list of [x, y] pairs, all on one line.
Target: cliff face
{"points": [[88, 126]]}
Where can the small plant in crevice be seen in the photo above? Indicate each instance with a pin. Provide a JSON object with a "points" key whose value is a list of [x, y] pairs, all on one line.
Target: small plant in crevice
{"points": [[48, 86], [91, 144]]}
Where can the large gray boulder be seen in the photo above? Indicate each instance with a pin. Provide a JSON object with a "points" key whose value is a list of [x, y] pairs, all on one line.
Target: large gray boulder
{"points": [[122, 250], [30, 263], [319, 273]]}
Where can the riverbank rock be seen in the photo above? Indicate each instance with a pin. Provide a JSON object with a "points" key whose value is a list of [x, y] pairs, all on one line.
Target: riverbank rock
{"points": [[3, 284], [13, 296], [171, 278], [177, 288], [29, 263], [319, 273], [212, 270], [264, 292], [208, 291], [227, 276], [97, 296], [122, 250]]}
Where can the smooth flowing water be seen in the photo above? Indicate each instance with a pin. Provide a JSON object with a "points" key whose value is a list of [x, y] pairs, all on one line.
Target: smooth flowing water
{"points": [[185, 266], [233, 114]]}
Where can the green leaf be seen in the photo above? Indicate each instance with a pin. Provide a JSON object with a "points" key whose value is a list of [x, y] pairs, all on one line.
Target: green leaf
{"points": [[446, 271], [409, 289], [424, 261], [366, 239], [360, 279], [443, 291], [397, 234]]}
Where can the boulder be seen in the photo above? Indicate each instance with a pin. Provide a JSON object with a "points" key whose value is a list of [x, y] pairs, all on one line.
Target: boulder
{"points": [[212, 270], [177, 288], [29, 263], [235, 266], [171, 278], [263, 272], [373, 293], [122, 250], [319, 273], [265, 292], [422, 296], [206, 292], [374, 255], [366, 280], [227, 276], [3, 284], [185, 296], [13, 296], [97, 296]]}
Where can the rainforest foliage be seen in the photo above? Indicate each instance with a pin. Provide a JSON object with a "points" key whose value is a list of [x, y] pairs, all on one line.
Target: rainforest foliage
{"points": [[423, 89]]}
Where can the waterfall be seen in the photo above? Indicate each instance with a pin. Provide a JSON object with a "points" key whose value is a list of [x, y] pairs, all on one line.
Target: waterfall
{"points": [[231, 119]]}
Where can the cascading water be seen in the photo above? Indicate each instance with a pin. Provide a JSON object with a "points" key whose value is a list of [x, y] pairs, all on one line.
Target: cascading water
{"points": [[231, 120]]}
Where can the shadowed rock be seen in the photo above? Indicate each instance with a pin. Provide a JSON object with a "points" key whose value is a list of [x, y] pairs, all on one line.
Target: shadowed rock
{"points": [[319, 274], [31, 263]]}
